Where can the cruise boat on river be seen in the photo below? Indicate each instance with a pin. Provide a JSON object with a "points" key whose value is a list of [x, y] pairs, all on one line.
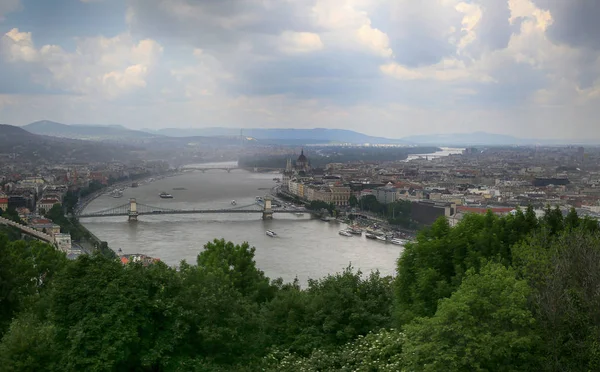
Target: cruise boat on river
{"points": [[354, 230], [271, 233], [116, 194]]}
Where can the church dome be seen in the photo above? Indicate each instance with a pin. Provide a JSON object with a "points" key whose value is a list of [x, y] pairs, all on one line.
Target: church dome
{"points": [[301, 158]]}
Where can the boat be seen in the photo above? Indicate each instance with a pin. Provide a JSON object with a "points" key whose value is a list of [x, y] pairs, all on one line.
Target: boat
{"points": [[326, 218], [344, 233], [370, 236], [116, 194], [134, 184], [270, 233], [298, 214], [258, 198], [233, 202], [380, 237], [354, 230], [398, 241], [164, 195]]}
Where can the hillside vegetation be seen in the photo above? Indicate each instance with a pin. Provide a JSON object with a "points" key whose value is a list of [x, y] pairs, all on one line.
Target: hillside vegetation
{"points": [[492, 294]]}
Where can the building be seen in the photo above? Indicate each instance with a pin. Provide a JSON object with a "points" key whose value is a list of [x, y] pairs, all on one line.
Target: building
{"points": [[426, 212], [340, 195], [4, 204], [63, 242], [302, 164], [386, 194], [46, 204], [44, 225]]}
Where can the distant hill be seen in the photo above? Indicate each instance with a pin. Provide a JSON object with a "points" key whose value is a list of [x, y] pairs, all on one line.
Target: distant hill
{"points": [[88, 132], [51, 150], [292, 136]]}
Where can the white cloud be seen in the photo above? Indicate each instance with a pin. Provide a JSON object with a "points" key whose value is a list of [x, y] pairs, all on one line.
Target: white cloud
{"points": [[455, 65], [18, 46], [299, 42], [102, 66]]}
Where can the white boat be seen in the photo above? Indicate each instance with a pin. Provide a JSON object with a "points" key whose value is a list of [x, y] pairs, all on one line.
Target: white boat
{"points": [[270, 233], [355, 230], [344, 233], [380, 237], [233, 202], [116, 194], [398, 241], [299, 214], [370, 236]]}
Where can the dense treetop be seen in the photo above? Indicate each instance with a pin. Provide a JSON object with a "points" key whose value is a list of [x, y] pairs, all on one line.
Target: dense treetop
{"points": [[494, 293]]}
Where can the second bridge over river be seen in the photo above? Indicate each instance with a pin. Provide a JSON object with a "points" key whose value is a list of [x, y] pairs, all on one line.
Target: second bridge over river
{"points": [[134, 209]]}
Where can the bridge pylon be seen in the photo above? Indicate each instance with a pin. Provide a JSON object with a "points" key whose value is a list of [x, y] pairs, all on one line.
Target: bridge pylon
{"points": [[267, 211], [132, 213]]}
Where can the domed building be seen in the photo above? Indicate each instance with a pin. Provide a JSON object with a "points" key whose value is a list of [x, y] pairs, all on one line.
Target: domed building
{"points": [[302, 164]]}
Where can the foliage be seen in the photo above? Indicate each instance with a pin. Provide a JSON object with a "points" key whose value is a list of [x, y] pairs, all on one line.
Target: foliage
{"points": [[381, 351], [493, 293], [330, 312], [485, 325]]}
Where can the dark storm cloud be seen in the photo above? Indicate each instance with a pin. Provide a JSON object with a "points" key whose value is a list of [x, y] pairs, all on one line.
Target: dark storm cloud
{"points": [[576, 22]]}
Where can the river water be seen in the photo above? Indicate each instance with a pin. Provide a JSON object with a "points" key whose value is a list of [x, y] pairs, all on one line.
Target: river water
{"points": [[305, 248]]}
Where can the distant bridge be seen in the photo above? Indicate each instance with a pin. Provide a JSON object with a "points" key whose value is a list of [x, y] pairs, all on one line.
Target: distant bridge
{"points": [[134, 209], [28, 230], [229, 169]]}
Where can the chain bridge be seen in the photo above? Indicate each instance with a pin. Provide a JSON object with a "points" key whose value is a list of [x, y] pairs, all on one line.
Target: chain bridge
{"points": [[134, 209]]}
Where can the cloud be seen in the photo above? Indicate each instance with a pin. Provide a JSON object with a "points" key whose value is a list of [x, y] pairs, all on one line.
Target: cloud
{"points": [[299, 42], [102, 66], [401, 65]]}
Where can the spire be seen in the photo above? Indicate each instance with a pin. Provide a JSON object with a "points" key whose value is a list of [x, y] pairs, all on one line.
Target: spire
{"points": [[302, 151]]}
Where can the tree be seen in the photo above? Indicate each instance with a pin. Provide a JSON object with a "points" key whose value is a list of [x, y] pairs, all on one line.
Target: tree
{"points": [[484, 326], [353, 201], [237, 263]]}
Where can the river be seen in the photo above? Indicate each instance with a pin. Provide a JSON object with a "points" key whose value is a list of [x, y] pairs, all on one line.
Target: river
{"points": [[305, 248], [444, 151]]}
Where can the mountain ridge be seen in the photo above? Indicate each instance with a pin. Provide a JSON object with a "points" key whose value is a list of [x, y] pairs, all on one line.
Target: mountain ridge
{"points": [[87, 132], [288, 136]]}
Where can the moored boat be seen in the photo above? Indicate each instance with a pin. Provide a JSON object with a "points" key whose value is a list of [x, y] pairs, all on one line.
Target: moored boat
{"points": [[398, 241], [355, 230], [344, 233], [370, 236]]}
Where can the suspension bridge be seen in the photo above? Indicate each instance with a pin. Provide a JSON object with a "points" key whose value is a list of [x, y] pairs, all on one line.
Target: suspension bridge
{"points": [[134, 209]]}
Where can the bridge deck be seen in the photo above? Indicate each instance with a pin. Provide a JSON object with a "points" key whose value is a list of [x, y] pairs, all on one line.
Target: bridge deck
{"points": [[191, 211]]}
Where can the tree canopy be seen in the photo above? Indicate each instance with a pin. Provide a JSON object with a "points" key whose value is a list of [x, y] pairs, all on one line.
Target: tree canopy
{"points": [[493, 293]]}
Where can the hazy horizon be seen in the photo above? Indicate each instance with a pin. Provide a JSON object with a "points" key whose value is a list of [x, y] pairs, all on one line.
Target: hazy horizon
{"points": [[386, 68]]}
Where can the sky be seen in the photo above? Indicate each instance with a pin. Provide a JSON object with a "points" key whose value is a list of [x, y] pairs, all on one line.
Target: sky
{"points": [[392, 68]]}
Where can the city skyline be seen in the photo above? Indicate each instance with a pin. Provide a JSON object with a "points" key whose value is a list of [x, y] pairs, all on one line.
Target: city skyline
{"points": [[380, 67]]}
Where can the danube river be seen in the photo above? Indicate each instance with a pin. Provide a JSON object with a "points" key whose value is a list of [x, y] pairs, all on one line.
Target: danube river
{"points": [[305, 248]]}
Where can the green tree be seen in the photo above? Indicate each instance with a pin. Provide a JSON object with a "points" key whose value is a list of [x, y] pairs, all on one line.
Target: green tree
{"points": [[353, 201], [237, 263], [26, 268], [484, 326]]}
